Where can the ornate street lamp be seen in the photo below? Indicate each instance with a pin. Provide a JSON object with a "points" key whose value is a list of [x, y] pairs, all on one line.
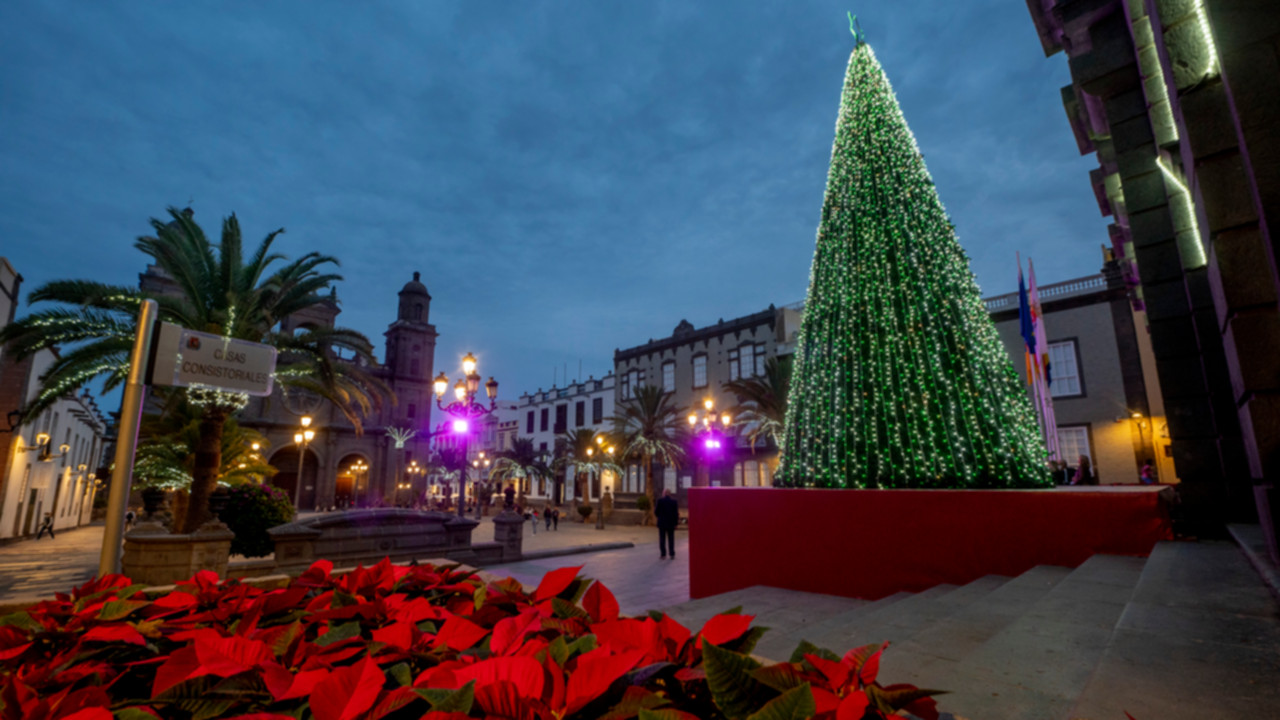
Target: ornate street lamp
{"points": [[599, 468], [465, 412], [302, 438], [706, 435]]}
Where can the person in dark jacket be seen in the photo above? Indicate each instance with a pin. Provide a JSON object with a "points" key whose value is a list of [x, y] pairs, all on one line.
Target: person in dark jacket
{"points": [[667, 511]]}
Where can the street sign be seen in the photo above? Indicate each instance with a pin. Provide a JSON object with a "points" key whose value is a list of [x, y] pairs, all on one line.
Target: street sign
{"points": [[186, 358]]}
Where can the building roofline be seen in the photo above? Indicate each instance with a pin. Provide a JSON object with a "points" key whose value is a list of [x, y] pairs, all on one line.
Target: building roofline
{"points": [[767, 316]]}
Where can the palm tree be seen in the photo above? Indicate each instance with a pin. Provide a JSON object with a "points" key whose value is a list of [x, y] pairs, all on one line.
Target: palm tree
{"points": [[218, 291], [520, 462], [166, 450], [571, 452], [762, 403], [652, 428]]}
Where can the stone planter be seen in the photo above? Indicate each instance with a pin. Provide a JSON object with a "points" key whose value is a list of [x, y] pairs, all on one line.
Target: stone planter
{"points": [[154, 556]]}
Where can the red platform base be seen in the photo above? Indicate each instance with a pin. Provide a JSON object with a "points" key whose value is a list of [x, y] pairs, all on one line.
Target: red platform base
{"points": [[873, 543]]}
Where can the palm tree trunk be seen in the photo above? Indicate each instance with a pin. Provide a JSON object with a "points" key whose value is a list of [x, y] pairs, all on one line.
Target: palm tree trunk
{"points": [[649, 517], [208, 460]]}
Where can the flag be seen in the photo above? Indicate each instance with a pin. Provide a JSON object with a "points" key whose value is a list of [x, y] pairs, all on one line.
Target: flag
{"points": [[1026, 326], [1040, 363]]}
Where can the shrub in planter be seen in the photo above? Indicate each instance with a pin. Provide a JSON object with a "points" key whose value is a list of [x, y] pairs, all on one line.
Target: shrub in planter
{"points": [[391, 642], [585, 511], [251, 510], [643, 504]]}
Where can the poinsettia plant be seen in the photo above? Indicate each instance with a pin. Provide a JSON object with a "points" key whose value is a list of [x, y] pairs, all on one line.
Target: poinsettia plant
{"points": [[423, 641]]}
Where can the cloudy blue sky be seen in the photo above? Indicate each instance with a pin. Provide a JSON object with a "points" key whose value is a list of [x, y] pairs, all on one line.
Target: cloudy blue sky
{"points": [[569, 177]]}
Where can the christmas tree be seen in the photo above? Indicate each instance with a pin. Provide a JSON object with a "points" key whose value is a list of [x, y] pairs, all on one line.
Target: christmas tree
{"points": [[899, 379]]}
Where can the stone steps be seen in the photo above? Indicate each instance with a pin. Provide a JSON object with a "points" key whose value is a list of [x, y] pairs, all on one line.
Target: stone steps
{"points": [[1191, 632]]}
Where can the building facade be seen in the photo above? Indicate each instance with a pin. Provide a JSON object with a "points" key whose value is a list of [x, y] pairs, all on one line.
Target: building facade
{"points": [[341, 467], [49, 463], [1179, 102], [692, 364], [545, 416], [1105, 392]]}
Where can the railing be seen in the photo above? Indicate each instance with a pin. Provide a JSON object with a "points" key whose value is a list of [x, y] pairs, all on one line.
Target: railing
{"points": [[1079, 286]]}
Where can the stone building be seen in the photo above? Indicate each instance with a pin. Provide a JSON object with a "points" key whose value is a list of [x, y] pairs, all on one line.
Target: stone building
{"points": [[49, 463], [1180, 102], [693, 364], [546, 415], [1106, 397], [332, 464]]}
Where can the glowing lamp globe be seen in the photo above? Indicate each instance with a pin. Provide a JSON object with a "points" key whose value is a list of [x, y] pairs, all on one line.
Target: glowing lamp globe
{"points": [[461, 427]]}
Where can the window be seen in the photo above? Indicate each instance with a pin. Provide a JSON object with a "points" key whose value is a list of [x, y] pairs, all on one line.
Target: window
{"points": [[562, 418], [597, 411], [580, 414], [528, 423], [668, 376], [700, 371], [626, 386], [760, 358], [1064, 370], [1073, 441], [545, 415], [412, 411], [748, 360], [733, 365]]}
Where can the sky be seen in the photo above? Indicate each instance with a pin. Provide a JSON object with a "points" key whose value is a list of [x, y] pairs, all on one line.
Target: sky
{"points": [[569, 178]]}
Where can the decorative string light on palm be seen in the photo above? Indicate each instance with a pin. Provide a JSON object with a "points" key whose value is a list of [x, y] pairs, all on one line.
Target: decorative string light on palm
{"points": [[899, 379]]}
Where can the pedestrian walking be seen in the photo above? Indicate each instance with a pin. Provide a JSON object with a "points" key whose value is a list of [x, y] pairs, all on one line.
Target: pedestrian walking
{"points": [[555, 519], [546, 516], [509, 495], [532, 515], [46, 526], [129, 517], [667, 511]]}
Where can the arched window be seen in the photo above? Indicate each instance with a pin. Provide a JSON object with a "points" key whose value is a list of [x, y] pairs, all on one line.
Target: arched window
{"points": [[417, 311]]}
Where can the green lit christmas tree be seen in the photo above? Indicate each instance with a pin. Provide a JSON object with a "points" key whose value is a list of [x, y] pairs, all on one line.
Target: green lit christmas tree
{"points": [[899, 379]]}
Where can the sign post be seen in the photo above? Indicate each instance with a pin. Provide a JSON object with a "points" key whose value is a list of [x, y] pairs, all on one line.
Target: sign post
{"points": [[166, 354], [135, 391]]}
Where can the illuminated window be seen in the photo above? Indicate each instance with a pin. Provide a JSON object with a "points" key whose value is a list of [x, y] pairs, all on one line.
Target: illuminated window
{"points": [[1073, 441]]}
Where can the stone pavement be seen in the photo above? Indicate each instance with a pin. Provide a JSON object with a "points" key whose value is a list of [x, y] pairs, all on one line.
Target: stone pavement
{"points": [[39, 568], [36, 569]]}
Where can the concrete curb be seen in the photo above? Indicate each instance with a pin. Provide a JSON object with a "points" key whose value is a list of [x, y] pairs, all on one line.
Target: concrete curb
{"points": [[1249, 538], [573, 550]]}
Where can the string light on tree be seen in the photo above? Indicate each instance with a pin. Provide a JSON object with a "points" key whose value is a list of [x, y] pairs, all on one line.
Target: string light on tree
{"points": [[899, 379]]}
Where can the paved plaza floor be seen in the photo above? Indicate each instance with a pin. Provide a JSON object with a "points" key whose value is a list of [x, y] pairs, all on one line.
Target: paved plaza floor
{"points": [[36, 569]]}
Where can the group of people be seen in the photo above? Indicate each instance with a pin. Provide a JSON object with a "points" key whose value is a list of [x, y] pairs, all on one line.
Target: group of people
{"points": [[1083, 473]]}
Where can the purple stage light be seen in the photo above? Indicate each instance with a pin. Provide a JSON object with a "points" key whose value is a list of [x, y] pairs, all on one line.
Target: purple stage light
{"points": [[461, 427]]}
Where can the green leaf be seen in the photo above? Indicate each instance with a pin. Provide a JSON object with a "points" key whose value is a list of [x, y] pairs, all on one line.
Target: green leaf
{"points": [[133, 713], [736, 610], [401, 674], [458, 701], [733, 688], [892, 700], [566, 609], [559, 650], [747, 642], [22, 620], [794, 704], [345, 631], [481, 594], [427, 626], [807, 648], [280, 645], [781, 677], [665, 714]]}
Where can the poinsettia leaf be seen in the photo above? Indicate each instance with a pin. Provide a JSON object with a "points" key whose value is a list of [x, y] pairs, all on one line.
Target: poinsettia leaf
{"points": [[600, 603], [854, 706], [459, 633], [115, 633], [90, 713], [393, 701], [139, 713], [634, 700], [401, 673], [595, 672], [794, 704], [555, 582], [917, 701], [22, 620], [735, 692], [781, 677], [584, 644], [724, 628], [869, 668], [558, 650], [343, 631], [566, 609], [524, 674], [666, 714], [117, 609], [479, 596], [748, 641], [347, 692], [807, 648], [450, 701], [642, 676]]}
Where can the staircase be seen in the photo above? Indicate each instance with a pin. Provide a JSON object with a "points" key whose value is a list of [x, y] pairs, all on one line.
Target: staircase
{"points": [[1190, 632]]}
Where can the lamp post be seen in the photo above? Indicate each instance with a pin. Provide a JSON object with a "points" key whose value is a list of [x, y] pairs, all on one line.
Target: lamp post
{"points": [[465, 411], [359, 469], [302, 438], [411, 474], [481, 464], [591, 452], [706, 435]]}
